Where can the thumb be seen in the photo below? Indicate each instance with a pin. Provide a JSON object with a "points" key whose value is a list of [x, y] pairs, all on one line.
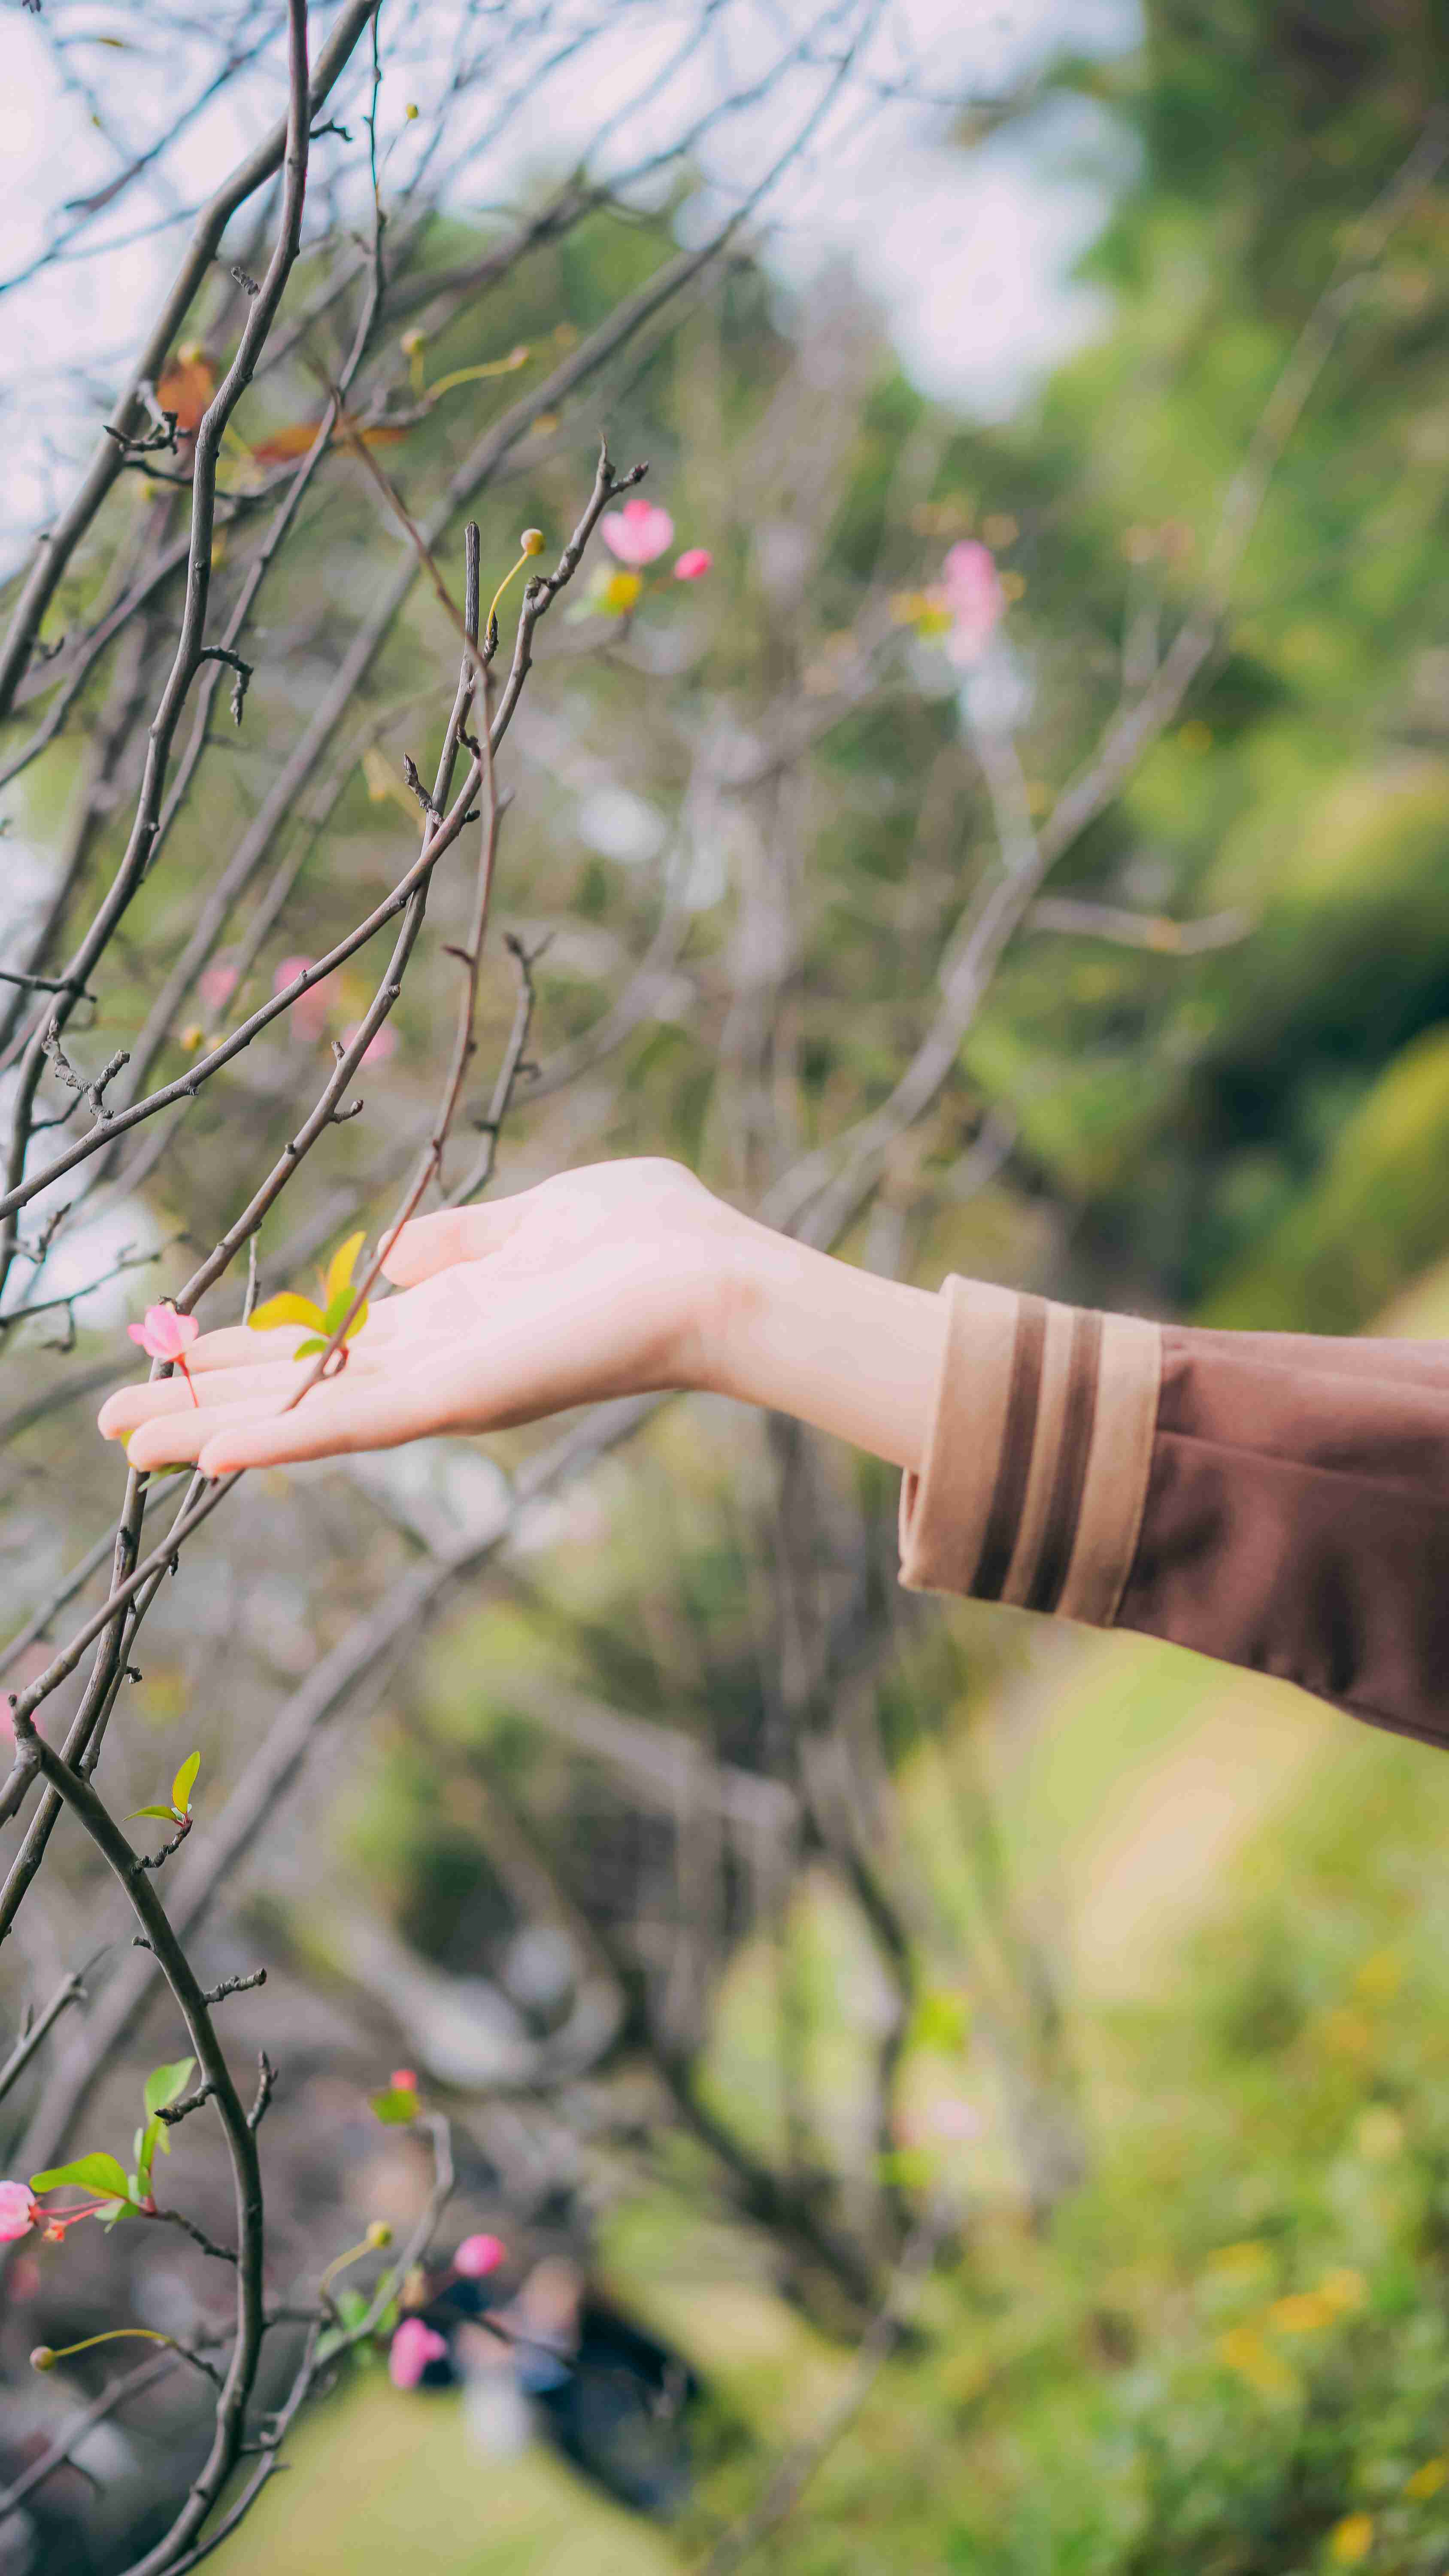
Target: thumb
{"points": [[436, 1242]]}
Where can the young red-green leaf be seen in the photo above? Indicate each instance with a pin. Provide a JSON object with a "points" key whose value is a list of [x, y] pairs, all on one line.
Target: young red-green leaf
{"points": [[396, 2107], [98, 2172], [185, 1782], [166, 2084], [168, 1815]]}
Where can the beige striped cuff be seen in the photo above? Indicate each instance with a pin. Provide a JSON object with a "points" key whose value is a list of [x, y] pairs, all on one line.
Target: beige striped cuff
{"points": [[1037, 1456]]}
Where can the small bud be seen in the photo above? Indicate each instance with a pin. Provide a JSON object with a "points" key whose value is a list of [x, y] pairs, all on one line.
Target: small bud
{"points": [[42, 2358], [410, 111], [412, 341], [532, 541], [379, 2234], [404, 2079], [191, 1036]]}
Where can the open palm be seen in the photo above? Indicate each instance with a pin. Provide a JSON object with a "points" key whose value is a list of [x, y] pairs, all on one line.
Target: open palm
{"points": [[594, 1284]]}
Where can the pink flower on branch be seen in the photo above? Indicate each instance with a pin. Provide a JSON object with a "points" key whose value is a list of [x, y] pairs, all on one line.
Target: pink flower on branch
{"points": [[638, 533], [216, 985], [309, 1011], [380, 1046], [973, 596], [404, 2079], [413, 2346], [19, 2211], [477, 2256], [693, 564], [165, 1335]]}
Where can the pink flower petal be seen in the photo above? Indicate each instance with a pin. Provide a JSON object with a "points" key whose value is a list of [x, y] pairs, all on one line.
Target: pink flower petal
{"points": [[477, 2256], [163, 1334], [309, 1011], [379, 1047], [18, 2211], [413, 2346], [693, 564], [404, 2079], [638, 533]]}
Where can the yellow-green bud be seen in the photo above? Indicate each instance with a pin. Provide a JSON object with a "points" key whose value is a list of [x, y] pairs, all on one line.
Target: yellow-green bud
{"points": [[532, 541], [379, 2234], [411, 340], [191, 1036], [42, 2358]]}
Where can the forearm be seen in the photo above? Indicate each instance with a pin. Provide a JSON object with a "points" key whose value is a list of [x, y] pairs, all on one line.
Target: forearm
{"points": [[801, 1333]]}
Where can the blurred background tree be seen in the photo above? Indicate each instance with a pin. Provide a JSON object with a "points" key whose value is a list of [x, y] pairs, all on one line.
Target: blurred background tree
{"points": [[783, 1948]]}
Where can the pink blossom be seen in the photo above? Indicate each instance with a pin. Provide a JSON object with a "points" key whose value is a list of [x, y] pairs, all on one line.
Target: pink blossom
{"points": [[217, 985], [413, 2346], [309, 1011], [163, 1334], [404, 2079], [19, 2210], [477, 2256], [693, 564], [379, 1047], [637, 533], [974, 596]]}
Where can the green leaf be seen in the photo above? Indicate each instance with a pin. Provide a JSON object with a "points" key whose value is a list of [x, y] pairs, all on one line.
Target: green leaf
{"points": [[336, 1312], [88, 2173], [165, 2084], [304, 1350], [115, 2209], [185, 1782], [168, 1815], [395, 2109]]}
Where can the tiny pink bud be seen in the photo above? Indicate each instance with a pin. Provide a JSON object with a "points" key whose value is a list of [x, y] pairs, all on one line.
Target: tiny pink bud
{"points": [[404, 2079], [42, 2358], [477, 2256], [413, 2346], [693, 564]]}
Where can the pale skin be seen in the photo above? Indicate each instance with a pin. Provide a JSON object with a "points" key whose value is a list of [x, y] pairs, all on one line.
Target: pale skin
{"points": [[619, 1279]]}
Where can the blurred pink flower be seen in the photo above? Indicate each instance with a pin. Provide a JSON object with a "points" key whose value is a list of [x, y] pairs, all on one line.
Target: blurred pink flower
{"points": [[19, 2210], [637, 533], [378, 1048], [404, 2079], [309, 1011], [413, 2346], [217, 985], [477, 2256], [693, 564], [163, 1334], [973, 594]]}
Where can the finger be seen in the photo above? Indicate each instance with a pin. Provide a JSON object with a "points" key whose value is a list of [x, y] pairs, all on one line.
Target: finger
{"points": [[431, 1243], [270, 1382], [330, 1423], [233, 1345]]}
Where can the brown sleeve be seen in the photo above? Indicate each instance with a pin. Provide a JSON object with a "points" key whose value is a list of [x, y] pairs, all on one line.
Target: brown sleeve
{"points": [[1276, 1500]]}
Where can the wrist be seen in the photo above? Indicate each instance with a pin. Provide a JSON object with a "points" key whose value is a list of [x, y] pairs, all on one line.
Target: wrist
{"points": [[797, 1331]]}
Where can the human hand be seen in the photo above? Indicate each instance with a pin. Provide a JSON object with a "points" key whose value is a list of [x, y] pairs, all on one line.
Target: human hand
{"points": [[602, 1282]]}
